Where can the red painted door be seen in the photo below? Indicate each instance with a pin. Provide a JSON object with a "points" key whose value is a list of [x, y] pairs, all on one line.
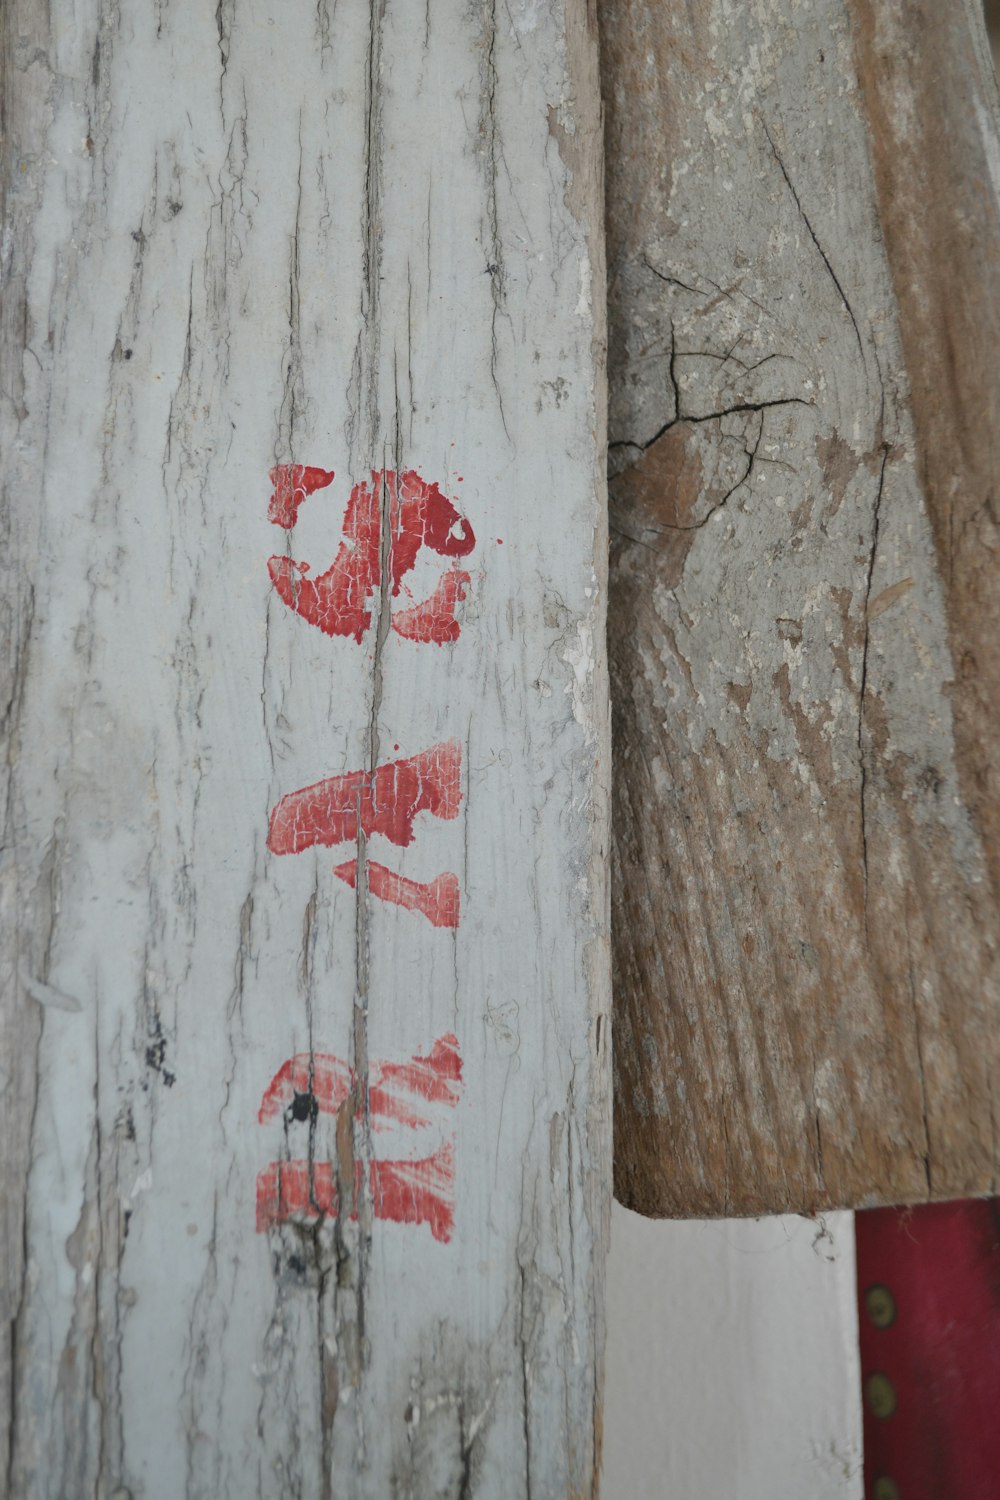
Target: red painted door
{"points": [[929, 1304]]}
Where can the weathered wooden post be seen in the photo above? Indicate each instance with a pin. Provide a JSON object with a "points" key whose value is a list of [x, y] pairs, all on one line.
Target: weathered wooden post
{"points": [[804, 266], [804, 311], [305, 1120]]}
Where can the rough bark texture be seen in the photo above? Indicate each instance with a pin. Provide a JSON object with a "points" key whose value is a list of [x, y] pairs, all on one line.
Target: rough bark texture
{"points": [[804, 269], [359, 237]]}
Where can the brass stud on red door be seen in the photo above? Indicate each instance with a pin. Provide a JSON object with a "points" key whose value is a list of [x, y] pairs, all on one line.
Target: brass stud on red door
{"points": [[885, 1488], [880, 1396], [880, 1306]]}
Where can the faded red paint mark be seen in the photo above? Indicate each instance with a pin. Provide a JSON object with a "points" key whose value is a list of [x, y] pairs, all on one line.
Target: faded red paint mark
{"points": [[318, 1077], [405, 1192], [293, 483], [417, 1192], [434, 620], [413, 1094], [385, 801], [398, 1092], [436, 1079], [438, 900], [419, 515]]}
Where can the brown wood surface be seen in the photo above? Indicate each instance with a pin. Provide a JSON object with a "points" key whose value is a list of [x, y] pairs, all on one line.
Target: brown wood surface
{"points": [[804, 267]]}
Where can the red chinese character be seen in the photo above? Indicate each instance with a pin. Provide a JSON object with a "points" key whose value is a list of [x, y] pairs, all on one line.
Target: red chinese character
{"points": [[413, 1094], [293, 483], [407, 1192], [401, 1093], [384, 802], [419, 515]]}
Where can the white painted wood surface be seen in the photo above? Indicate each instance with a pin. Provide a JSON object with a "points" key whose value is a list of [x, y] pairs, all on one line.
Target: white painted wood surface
{"points": [[363, 238], [732, 1366]]}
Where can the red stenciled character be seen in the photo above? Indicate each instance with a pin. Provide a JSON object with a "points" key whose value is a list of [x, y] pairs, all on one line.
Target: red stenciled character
{"points": [[412, 1094], [385, 802], [407, 1192], [437, 900], [293, 483], [419, 515], [402, 1093]]}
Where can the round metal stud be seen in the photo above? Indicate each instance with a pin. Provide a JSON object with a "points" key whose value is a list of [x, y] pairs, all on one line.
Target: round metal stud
{"points": [[880, 1305], [880, 1396], [885, 1488]]}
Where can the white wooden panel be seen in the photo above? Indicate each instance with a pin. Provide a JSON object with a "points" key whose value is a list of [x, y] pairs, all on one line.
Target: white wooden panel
{"points": [[732, 1367], [362, 238]]}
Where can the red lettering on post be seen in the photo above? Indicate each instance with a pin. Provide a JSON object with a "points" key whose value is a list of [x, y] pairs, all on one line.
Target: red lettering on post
{"points": [[434, 620], [293, 483], [436, 1079], [406, 1192], [386, 802], [419, 515], [398, 1093], [438, 900], [414, 1094]]}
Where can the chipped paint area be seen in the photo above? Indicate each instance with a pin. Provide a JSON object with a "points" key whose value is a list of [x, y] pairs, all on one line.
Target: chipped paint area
{"points": [[578, 651]]}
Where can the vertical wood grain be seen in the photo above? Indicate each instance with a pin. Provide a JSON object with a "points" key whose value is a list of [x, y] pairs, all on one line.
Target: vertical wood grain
{"points": [[363, 238], [802, 239]]}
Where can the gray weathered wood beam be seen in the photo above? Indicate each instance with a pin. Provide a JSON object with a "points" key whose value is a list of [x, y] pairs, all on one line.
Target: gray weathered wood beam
{"points": [[305, 1094]]}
